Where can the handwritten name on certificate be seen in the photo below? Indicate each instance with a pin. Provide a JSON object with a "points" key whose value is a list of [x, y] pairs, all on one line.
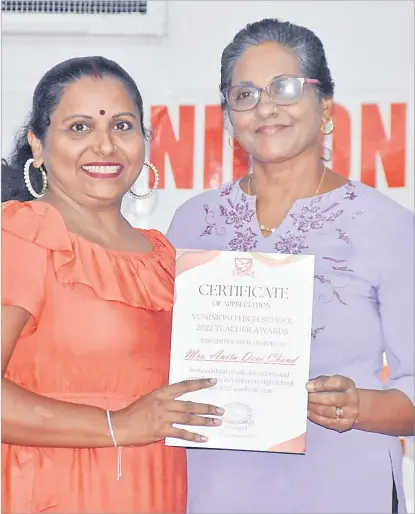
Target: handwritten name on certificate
{"points": [[245, 319]]}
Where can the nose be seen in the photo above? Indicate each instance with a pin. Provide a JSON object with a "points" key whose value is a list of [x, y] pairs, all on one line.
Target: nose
{"points": [[104, 143], [266, 107]]}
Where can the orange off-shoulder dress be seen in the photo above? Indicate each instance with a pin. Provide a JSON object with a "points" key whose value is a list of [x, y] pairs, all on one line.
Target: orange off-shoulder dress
{"points": [[99, 334]]}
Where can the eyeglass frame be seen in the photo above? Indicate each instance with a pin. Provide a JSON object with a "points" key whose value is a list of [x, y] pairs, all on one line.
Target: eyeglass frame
{"points": [[260, 90]]}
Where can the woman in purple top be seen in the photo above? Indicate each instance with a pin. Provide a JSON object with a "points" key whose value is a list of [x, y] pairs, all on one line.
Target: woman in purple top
{"points": [[277, 94]]}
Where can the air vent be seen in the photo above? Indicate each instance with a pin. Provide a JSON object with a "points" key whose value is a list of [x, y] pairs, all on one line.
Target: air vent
{"points": [[92, 17], [74, 6]]}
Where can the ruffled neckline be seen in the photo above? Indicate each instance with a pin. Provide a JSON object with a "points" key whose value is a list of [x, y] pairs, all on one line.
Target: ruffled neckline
{"points": [[144, 280]]}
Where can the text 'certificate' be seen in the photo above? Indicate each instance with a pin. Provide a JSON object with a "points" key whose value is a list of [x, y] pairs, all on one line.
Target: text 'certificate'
{"points": [[245, 319]]}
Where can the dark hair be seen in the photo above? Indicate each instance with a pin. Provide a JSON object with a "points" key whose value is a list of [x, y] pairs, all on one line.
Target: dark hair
{"points": [[306, 46], [10, 187], [47, 96]]}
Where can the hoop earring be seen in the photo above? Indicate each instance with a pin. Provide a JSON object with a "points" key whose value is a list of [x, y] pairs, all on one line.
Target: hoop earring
{"points": [[231, 140], [330, 123], [155, 185], [26, 175]]}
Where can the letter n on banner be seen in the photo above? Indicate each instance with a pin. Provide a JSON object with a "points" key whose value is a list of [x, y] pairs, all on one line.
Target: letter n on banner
{"points": [[180, 150], [213, 165], [392, 150]]}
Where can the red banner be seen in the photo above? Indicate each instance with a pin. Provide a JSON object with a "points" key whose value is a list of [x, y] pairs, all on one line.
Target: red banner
{"points": [[374, 142]]}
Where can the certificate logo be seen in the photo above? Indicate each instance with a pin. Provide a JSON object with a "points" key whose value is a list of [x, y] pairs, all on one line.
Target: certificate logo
{"points": [[237, 413], [243, 267]]}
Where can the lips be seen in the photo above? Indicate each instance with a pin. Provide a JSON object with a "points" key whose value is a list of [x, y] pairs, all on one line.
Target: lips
{"points": [[103, 169], [269, 130]]}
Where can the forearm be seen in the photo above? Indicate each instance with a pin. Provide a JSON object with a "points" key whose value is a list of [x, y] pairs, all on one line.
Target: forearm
{"points": [[29, 419], [386, 412]]}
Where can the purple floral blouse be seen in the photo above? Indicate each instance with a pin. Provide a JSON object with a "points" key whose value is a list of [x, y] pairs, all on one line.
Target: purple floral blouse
{"points": [[363, 308]]}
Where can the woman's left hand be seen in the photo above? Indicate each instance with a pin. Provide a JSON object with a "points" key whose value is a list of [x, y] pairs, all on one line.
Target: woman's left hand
{"points": [[333, 402]]}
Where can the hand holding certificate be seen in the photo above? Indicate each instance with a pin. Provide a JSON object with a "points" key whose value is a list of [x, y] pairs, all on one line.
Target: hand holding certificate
{"points": [[245, 319]]}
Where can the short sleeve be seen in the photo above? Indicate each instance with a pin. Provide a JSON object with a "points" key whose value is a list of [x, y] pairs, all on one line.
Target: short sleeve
{"points": [[396, 303], [23, 273]]}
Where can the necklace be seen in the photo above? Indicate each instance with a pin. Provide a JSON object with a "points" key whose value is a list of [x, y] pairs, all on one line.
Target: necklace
{"points": [[272, 230]]}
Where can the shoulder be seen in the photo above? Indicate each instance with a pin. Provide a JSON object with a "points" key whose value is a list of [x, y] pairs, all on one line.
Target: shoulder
{"points": [[159, 241], [383, 212], [204, 215], [34, 224], [203, 202]]}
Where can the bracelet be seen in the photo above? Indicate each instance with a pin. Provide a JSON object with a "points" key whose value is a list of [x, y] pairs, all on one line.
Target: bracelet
{"points": [[119, 448], [111, 429]]}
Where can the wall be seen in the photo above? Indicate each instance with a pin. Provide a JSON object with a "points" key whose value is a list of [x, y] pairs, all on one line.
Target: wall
{"points": [[370, 49]]}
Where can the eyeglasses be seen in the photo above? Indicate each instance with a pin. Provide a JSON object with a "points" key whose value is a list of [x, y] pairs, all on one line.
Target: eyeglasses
{"points": [[284, 90]]}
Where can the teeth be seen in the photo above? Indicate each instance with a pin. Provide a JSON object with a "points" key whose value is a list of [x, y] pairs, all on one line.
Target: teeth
{"points": [[101, 169]]}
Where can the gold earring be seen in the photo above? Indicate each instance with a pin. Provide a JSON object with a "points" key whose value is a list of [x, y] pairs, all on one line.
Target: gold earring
{"points": [[231, 140], [330, 130]]}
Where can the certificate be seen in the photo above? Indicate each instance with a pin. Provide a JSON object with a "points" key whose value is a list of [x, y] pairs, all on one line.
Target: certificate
{"points": [[245, 319]]}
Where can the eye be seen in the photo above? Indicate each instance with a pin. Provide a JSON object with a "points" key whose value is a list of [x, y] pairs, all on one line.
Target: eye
{"points": [[245, 93], [122, 126], [79, 127]]}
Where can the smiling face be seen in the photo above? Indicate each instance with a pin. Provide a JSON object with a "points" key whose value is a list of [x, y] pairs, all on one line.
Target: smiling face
{"points": [[94, 146], [269, 132]]}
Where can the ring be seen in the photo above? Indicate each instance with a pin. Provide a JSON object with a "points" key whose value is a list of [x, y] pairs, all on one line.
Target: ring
{"points": [[339, 413]]}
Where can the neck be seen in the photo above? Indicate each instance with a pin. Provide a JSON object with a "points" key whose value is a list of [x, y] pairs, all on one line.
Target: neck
{"points": [[289, 180], [100, 218]]}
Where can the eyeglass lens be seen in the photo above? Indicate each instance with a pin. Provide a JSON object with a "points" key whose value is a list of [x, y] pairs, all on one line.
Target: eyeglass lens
{"points": [[282, 91]]}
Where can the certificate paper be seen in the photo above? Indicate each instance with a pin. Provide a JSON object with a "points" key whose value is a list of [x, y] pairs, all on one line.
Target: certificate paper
{"points": [[245, 319]]}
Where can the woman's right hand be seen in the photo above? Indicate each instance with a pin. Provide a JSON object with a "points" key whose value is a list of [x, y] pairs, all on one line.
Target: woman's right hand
{"points": [[151, 417]]}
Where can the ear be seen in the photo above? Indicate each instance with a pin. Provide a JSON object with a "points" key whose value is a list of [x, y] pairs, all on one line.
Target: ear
{"points": [[327, 110], [37, 149]]}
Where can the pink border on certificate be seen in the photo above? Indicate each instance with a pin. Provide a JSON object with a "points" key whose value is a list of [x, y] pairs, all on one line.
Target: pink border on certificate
{"points": [[188, 259], [296, 445]]}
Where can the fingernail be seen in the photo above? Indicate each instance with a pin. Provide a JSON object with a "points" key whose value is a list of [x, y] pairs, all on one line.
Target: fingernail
{"points": [[308, 413], [212, 380], [310, 387], [202, 439], [220, 411], [216, 421]]}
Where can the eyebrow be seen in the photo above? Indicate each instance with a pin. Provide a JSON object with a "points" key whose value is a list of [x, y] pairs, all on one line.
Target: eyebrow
{"points": [[245, 83], [85, 116], [249, 83], [77, 116], [124, 114]]}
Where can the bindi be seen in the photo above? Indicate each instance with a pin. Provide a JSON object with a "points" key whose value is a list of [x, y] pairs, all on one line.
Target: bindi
{"points": [[102, 112]]}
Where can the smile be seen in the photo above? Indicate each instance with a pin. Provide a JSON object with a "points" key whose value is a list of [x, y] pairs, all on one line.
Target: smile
{"points": [[100, 170], [269, 130]]}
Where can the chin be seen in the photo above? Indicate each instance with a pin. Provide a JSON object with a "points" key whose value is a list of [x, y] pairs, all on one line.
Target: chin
{"points": [[106, 195], [272, 157]]}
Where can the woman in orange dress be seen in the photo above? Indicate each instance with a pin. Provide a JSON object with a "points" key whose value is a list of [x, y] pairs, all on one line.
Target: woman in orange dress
{"points": [[86, 313]]}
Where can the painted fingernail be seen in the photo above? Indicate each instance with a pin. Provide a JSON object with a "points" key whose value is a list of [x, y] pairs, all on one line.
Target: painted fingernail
{"points": [[220, 411]]}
